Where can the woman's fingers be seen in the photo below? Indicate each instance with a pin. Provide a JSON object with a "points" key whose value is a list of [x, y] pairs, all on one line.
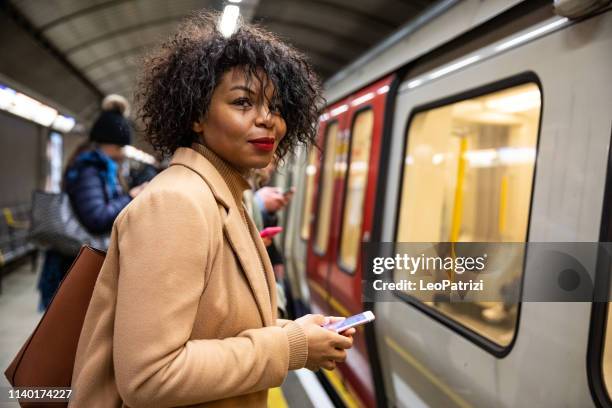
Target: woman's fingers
{"points": [[342, 342], [349, 332], [338, 356]]}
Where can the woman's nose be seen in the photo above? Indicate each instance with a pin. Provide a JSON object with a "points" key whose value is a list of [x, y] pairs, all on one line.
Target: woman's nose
{"points": [[265, 117]]}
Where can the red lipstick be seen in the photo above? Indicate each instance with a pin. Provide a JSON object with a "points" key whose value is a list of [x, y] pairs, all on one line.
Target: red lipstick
{"points": [[265, 144]]}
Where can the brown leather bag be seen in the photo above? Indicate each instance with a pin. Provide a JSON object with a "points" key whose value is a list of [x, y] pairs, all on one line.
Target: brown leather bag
{"points": [[47, 357]]}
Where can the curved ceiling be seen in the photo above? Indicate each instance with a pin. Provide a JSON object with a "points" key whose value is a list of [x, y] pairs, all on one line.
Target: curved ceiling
{"points": [[101, 40]]}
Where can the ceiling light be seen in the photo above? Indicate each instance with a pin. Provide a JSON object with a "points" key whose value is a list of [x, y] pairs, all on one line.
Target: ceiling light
{"points": [[63, 123], [6, 97], [44, 115], [518, 102], [227, 25]]}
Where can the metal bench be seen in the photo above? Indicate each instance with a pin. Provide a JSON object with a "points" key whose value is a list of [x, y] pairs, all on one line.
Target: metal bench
{"points": [[14, 230]]}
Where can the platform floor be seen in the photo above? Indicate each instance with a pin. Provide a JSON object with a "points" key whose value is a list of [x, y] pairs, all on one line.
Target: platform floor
{"points": [[19, 316]]}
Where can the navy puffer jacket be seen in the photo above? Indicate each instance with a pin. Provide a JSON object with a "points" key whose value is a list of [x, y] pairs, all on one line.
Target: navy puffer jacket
{"points": [[95, 193]]}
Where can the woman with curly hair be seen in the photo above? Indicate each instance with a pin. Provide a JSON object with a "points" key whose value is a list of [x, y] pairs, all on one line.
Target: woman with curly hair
{"points": [[184, 309]]}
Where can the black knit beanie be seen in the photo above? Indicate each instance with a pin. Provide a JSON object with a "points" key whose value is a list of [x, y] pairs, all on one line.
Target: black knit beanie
{"points": [[112, 126]]}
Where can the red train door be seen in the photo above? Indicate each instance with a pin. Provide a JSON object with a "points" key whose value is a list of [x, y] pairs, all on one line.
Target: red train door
{"points": [[328, 179], [352, 222]]}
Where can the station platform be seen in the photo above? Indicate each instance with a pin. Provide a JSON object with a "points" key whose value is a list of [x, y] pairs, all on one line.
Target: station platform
{"points": [[19, 314]]}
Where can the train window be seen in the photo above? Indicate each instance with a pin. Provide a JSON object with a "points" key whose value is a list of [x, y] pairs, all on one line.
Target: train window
{"points": [[311, 172], [327, 188], [361, 136], [468, 173], [607, 352]]}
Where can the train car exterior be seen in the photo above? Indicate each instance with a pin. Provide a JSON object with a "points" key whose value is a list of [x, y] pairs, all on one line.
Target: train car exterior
{"points": [[351, 134], [514, 114]]}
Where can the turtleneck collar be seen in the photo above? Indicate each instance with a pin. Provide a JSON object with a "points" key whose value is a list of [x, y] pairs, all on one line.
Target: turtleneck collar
{"points": [[236, 180]]}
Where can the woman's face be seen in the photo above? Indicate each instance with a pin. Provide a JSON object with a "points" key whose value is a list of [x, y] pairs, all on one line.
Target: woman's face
{"points": [[242, 125]]}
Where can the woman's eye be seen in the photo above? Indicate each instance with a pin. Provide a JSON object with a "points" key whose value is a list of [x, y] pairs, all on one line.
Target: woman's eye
{"points": [[242, 102]]}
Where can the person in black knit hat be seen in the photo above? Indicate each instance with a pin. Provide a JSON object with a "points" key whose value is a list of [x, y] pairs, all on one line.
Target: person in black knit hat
{"points": [[92, 182]]}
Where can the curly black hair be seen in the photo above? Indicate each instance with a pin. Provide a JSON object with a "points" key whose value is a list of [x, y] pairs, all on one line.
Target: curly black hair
{"points": [[178, 79]]}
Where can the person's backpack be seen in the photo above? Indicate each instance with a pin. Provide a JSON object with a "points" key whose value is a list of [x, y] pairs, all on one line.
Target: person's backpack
{"points": [[47, 357]]}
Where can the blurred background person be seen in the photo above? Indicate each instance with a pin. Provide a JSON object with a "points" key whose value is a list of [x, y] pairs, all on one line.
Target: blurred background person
{"points": [[93, 184], [264, 206]]}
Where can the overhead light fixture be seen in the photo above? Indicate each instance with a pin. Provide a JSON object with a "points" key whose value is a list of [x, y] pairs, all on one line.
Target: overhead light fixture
{"points": [[235, 1], [63, 123], [517, 155], [481, 158], [136, 154], [437, 158], [29, 108], [44, 115], [6, 97], [229, 19], [24, 106], [518, 102]]}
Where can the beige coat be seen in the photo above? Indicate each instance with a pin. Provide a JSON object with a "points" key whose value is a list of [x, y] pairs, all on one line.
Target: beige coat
{"points": [[184, 309]]}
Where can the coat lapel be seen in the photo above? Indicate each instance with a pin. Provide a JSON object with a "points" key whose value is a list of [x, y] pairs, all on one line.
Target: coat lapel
{"points": [[267, 265], [236, 234]]}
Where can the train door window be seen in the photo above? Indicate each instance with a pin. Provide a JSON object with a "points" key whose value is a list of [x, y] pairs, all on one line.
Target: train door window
{"points": [[327, 188], [607, 352], [361, 140], [311, 172], [467, 177]]}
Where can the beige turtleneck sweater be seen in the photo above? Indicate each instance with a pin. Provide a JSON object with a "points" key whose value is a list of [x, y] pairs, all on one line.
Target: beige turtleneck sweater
{"points": [[237, 183], [235, 180]]}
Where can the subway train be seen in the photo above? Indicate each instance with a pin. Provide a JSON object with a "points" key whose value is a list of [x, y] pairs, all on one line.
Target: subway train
{"points": [[477, 122]]}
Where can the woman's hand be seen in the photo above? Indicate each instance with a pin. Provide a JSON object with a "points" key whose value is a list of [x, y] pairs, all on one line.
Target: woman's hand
{"points": [[272, 198], [325, 347], [267, 241]]}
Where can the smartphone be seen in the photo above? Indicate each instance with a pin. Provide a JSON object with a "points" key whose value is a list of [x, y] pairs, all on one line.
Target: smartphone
{"points": [[269, 232], [353, 321]]}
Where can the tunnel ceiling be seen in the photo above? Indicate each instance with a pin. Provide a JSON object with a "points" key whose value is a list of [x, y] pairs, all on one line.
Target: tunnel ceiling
{"points": [[100, 40]]}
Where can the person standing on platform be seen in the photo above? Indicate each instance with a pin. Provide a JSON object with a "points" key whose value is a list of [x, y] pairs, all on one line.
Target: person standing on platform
{"points": [[91, 181], [184, 309]]}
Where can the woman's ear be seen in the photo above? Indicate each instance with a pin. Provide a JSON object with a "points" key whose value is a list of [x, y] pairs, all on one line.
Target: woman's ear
{"points": [[197, 126]]}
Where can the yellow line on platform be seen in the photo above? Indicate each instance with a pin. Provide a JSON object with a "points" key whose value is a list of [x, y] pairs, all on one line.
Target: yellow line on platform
{"points": [[276, 399], [410, 359], [349, 400]]}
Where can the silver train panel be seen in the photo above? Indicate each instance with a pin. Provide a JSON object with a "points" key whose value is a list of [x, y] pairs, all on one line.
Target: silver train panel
{"points": [[455, 20], [425, 363]]}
